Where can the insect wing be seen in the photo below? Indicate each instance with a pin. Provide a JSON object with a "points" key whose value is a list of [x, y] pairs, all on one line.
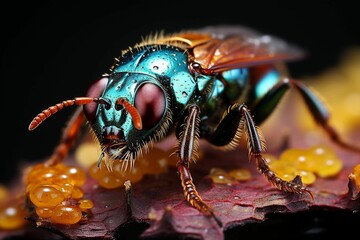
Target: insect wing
{"points": [[236, 47]]}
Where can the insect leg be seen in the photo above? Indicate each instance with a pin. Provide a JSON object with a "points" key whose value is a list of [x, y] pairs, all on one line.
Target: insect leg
{"points": [[228, 132], [321, 114], [68, 137], [188, 144], [317, 109]]}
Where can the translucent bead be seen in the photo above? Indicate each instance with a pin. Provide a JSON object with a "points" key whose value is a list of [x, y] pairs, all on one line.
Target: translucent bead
{"points": [[154, 162], [240, 174], [220, 176], [86, 204], [282, 167], [12, 217], [46, 196], [77, 176], [44, 212], [355, 175], [292, 155], [110, 181], [307, 177], [77, 193], [87, 154], [269, 158], [329, 167], [96, 171], [66, 214]]}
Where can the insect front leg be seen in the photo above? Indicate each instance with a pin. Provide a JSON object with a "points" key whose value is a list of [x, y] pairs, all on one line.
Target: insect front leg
{"points": [[68, 136], [228, 132], [188, 145]]}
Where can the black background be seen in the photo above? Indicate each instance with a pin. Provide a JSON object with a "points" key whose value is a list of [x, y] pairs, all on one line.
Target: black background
{"points": [[52, 52]]}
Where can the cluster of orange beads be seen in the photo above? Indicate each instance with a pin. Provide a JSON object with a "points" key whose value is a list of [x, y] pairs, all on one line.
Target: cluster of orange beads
{"points": [[155, 162], [56, 193], [12, 212], [221, 176], [316, 161]]}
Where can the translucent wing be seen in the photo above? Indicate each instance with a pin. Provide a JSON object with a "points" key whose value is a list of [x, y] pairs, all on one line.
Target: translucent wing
{"points": [[221, 48]]}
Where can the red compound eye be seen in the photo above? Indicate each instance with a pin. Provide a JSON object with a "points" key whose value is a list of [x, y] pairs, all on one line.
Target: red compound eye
{"points": [[150, 103], [95, 90]]}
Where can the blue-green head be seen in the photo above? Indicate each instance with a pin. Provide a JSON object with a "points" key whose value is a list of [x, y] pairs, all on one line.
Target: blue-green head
{"points": [[141, 98]]}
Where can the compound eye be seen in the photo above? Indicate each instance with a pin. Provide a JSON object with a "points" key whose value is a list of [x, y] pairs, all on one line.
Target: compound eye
{"points": [[95, 90], [150, 103]]}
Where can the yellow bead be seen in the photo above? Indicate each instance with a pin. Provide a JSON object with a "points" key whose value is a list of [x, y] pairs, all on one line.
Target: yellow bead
{"points": [[287, 176], [221, 179], [269, 158], [329, 167], [282, 167], [307, 177], [12, 217], [66, 214], [46, 196], [301, 158], [327, 163], [87, 154], [292, 155], [240, 174], [220, 176], [86, 204]]}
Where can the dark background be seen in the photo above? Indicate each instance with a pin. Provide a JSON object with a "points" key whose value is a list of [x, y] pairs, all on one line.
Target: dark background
{"points": [[52, 52]]}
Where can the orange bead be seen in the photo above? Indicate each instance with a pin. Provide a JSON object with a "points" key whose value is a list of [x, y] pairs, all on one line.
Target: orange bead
{"points": [[86, 204], [32, 172], [77, 193], [76, 175], [65, 188], [355, 175], [12, 217], [110, 182], [66, 214], [154, 162], [97, 172], [44, 212], [134, 175], [46, 196]]}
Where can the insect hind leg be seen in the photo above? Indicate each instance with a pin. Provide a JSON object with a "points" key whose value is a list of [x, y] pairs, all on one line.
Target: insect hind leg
{"points": [[229, 130], [321, 114]]}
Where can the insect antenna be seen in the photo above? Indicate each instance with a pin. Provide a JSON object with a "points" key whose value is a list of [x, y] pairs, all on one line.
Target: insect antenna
{"points": [[57, 107], [134, 113]]}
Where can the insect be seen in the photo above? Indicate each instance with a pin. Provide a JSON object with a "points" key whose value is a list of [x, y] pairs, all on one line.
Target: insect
{"points": [[213, 83]]}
